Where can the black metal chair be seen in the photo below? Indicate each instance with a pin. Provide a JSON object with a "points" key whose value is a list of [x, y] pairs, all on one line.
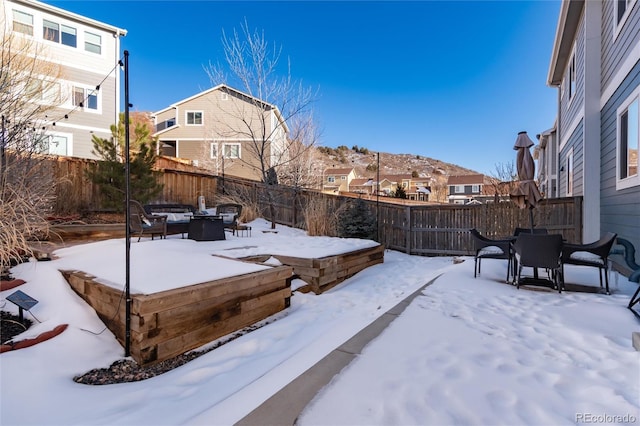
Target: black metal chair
{"points": [[486, 248], [141, 223], [230, 213], [539, 251], [538, 231], [595, 254]]}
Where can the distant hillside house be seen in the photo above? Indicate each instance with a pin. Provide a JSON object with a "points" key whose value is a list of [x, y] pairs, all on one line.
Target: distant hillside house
{"points": [[337, 180], [215, 128], [462, 189], [86, 98], [363, 186], [420, 191]]}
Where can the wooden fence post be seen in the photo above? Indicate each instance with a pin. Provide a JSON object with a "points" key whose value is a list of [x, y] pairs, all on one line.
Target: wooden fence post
{"points": [[577, 214], [408, 235]]}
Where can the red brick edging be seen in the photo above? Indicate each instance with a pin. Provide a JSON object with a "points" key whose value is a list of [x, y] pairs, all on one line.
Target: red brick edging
{"points": [[30, 342], [8, 285]]}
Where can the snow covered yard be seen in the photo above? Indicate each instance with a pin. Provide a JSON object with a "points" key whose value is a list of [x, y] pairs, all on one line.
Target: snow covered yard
{"points": [[466, 351]]}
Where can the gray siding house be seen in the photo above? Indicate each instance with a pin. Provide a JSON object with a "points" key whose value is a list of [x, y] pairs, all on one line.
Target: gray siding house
{"points": [[463, 189], [592, 150], [88, 52]]}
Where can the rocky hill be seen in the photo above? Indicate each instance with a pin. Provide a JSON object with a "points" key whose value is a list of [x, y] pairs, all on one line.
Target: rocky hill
{"points": [[364, 163]]}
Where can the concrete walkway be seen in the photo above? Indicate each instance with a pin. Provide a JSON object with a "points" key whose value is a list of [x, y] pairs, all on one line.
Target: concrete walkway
{"points": [[284, 407]]}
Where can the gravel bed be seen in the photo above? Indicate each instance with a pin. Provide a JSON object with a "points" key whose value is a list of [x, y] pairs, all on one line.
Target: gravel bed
{"points": [[127, 370], [121, 371], [11, 326]]}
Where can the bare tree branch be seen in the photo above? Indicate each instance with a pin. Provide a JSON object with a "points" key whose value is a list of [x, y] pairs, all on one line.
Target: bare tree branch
{"points": [[254, 66], [29, 94], [503, 179]]}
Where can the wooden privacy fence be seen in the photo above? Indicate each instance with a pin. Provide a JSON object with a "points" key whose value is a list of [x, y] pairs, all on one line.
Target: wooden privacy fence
{"points": [[76, 193], [441, 229], [424, 229], [444, 229]]}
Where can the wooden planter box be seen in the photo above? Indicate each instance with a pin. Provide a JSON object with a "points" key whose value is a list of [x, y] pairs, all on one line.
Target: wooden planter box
{"points": [[327, 272], [172, 322], [91, 232], [95, 232]]}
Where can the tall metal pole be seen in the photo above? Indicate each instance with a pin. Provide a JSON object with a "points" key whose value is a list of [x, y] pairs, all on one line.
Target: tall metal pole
{"points": [[127, 327], [3, 161], [378, 197], [223, 171]]}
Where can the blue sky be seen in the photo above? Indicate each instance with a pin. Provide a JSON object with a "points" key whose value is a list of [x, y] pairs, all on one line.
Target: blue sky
{"points": [[452, 80]]}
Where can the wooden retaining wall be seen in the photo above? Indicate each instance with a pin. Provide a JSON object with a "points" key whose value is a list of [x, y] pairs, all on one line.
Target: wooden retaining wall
{"points": [[92, 232], [327, 272], [172, 322]]}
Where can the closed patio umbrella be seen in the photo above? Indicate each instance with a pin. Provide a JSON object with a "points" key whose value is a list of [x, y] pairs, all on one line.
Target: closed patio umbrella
{"points": [[526, 194]]}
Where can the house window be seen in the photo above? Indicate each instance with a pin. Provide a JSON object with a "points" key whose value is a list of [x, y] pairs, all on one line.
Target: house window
{"points": [[194, 118], [572, 76], [231, 150], [621, 6], [50, 31], [69, 37], [57, 145], [64, 34], [459, 189], [51, 144], [569, 169], [214, 150], [343, 178], [85, 98], [22, 22], [627, 147], [92, 42], [331, 179], [475, 189], [622, 10], [92, 99], [78, 96]]}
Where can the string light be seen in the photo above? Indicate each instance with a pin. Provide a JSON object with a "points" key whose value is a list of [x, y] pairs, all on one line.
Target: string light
{"points": [[86, 98]]}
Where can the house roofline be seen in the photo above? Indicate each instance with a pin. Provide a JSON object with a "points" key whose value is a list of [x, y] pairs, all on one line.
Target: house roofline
{"points": [[544, 136], [55, 10], [570, 12]]}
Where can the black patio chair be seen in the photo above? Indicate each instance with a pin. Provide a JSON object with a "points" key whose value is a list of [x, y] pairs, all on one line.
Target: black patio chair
{"points": [[486, 248], [230, 213], [538, 231], [595, 254], [141, 223], [539, 251]]}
